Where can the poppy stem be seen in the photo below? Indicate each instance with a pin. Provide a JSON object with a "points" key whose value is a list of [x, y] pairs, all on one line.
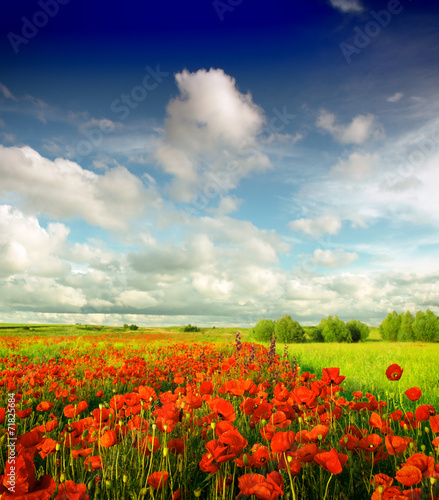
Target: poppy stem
{"points": [[327, 486]]}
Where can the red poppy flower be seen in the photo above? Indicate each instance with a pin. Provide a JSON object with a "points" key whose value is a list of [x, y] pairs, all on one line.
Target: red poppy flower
{"points": [[381, 480], [349, 441], [414, 393], [94, 462], [25, 485], [223, 408], [71, 412], [282, 441], [370, 443], [24, 413], [409, 475], [45, 406], [331, 376], [307, 452], [434, 423], [424, 463], [70, 490], [331, 461], [176, 446], [396, 444], [394, 372], [46, 447], [158, 480], [109, 438], [83, 452], [424, 412]]}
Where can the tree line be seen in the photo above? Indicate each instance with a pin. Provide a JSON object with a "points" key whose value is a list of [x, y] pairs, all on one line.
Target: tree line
{"points": [[404, 327]]}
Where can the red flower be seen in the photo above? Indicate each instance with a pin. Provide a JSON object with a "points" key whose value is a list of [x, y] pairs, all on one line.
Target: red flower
{"points": [[434, 424], [109, 438], [394, 372], [424, 412], [331, 376], [158, 480], [414, 393], [396, 444], [424, 463], [331, 461], [409, 475], [223, 408], [69, 490], [282, 441], [94, 462], [44, 406], [370, 443]]}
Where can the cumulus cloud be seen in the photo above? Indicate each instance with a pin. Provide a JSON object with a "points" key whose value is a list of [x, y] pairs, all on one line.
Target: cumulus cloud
{"points": [[361, 128], [347, 5], [211, 135], [357, 166], [62, 188], [26, 246], [325, 224], [334, 258]]}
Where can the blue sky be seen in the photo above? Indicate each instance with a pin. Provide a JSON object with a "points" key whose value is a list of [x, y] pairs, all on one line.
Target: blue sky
{"points": [[219, 162]]}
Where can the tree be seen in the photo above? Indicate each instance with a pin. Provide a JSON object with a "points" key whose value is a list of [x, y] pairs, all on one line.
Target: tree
{"points": [[263, 330], [335, 330], [426, 326], [389, 328], [288, 331], [315, 335], [358, 330], [405, 333]]}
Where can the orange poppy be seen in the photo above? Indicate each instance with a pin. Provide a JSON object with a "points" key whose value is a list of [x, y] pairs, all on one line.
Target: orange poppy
{"points": [[158, 480], [108, 438], [396, 444], [414, 393], [331, 460], [394, 372], [282, 441], [70, 490], [408, 475]]}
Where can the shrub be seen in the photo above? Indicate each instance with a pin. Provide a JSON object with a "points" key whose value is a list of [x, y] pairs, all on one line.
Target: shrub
{"points": [[405, 333], [426, 326], [315, 334], [358, 330], [389, 328], [288, 331], [335, 330], [133, 327], [190, 328], [263, 330]]}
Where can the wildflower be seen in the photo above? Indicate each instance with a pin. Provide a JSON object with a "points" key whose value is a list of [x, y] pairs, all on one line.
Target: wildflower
{"points": [[158, 480], [394, 372]]}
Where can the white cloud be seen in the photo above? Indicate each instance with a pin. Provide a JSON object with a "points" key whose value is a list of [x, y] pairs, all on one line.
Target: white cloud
{"points": [[136, 299], [357, 167], [334, 258], [62, 188], [395, 97], [361, 128], [325, 224], [26, 246], [6, 92], [347, 5], [211, 133]]}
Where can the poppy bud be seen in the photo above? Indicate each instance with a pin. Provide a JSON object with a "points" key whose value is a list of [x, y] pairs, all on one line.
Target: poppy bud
{"points": [[110, 416], [94, 434], [143, 492], [432, 480], [165, 452], [197, 493], [90, 484], [85, 434], [62, 478], [319, 437], [427, 429], [263, 421], [180, 466], [124, 478], [114, 391], [289, 459], [423, 447], [154, 427], [213, 425], [57, 447], [380, 489], [108, 483], [165, 427]]}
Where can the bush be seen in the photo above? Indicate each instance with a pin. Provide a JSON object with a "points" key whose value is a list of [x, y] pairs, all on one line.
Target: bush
{"points": [[190, 328], [315, 334], [288, 331], [426, 326], [134, 327], [389, 328], [263, 330], [405, 332], [358, 330], [335, 330]]}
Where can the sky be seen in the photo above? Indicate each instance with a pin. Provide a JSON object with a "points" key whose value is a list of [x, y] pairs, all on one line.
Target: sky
{"points": [[217, 162]]}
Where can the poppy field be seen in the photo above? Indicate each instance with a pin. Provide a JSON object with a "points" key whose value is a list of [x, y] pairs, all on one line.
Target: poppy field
{"points": [[157, 416]]}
